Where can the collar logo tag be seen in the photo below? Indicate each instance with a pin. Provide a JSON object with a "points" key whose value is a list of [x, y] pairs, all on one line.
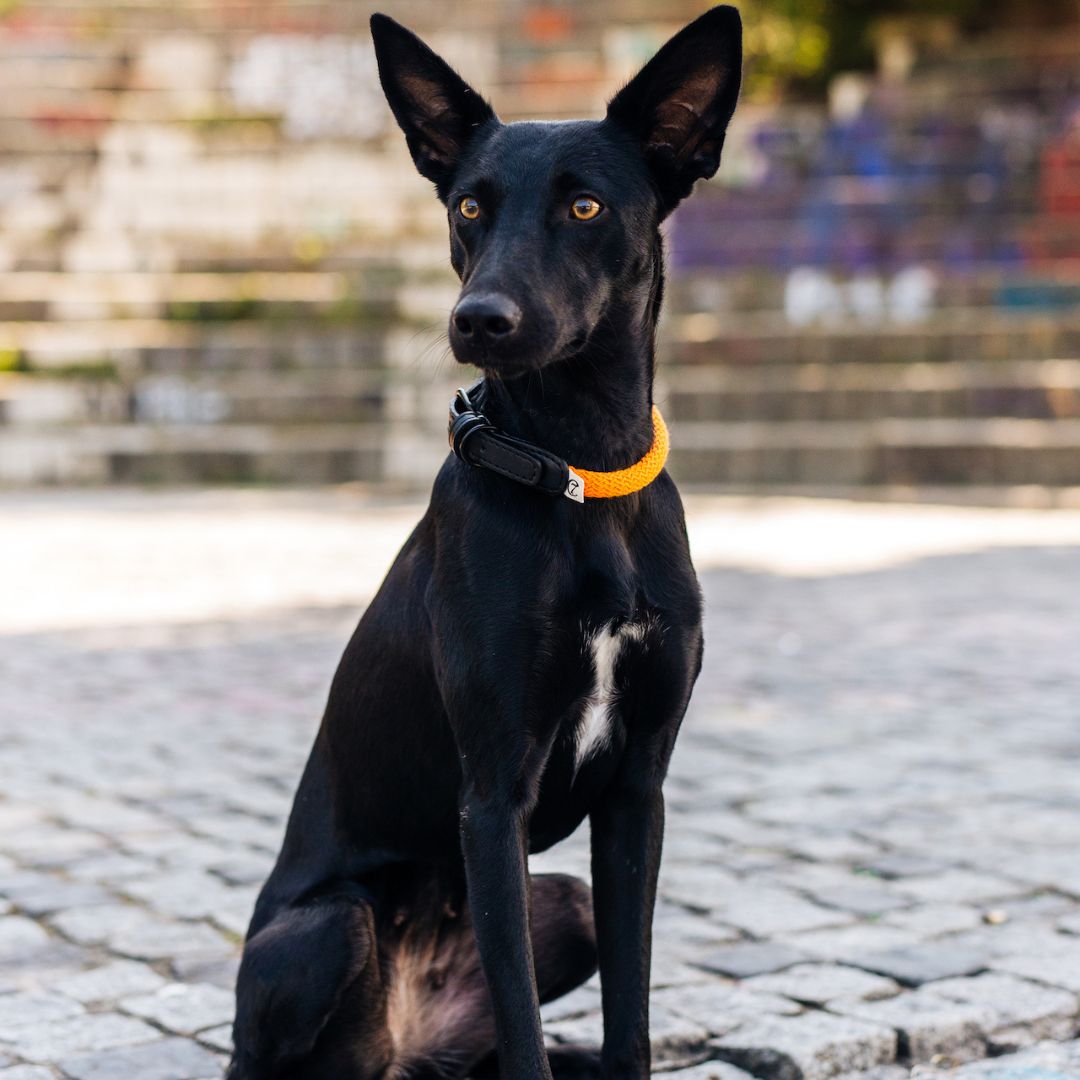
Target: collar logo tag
{"points": [[575, 487]]}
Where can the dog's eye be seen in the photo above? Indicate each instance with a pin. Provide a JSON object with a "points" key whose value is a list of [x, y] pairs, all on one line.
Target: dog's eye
{"points": [[584, 209], [469, 208]]}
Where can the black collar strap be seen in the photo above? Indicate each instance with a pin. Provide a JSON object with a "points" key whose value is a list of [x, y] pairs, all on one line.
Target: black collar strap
{"points": [[480, 443]]}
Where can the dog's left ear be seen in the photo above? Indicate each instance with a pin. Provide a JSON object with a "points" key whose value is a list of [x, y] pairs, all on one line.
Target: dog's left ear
{"points": [[438, 111], [679, 104]]}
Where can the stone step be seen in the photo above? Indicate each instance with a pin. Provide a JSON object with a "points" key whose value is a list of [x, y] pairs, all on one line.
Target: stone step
{"points": [[288, 397], [1045, 389], [353, 280], [1054, 288], [1041, 389], [963, 334], [976, 452], [998, 453], [358, 338], [192, 454], [130, 346], [46, 296]]}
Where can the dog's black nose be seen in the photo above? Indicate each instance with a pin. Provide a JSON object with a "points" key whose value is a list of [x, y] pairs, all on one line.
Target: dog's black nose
{"points": [[489, 316]]}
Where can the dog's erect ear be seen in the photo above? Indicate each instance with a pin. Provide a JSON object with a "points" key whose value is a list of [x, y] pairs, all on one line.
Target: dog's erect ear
{"points": [[679, 104], [438, 111]]}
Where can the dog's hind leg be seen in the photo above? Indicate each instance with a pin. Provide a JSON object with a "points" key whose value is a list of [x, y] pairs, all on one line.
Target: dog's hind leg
{"points": [[308, 972], [563, 936]]}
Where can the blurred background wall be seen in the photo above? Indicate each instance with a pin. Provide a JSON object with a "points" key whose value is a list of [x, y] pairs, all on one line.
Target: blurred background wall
{"points": [[218, 265]]}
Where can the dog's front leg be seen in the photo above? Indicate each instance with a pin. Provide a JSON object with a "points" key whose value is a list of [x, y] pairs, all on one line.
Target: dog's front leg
{"points": [[627, 836], [493, 832]]}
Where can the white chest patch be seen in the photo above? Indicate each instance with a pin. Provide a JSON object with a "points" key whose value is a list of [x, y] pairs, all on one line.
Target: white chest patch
{"points": [[594, 728]]}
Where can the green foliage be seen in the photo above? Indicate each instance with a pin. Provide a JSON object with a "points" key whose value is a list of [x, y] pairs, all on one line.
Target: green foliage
{"points": [[786, 41], [801, 44], [12, 360]]}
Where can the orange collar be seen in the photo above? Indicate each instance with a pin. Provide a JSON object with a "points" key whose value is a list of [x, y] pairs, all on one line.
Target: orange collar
{"points": [[479, 443], [609, 485]]}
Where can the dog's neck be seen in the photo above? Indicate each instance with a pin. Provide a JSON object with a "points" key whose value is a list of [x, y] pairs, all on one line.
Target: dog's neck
{"points": [[594, 408]]}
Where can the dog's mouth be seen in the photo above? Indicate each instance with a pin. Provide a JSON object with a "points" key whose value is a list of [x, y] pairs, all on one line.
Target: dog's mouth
{"points": [[514, 358]]}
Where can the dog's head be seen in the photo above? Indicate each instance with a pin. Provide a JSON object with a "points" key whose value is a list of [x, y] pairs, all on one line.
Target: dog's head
{"points": [[552, 222]]}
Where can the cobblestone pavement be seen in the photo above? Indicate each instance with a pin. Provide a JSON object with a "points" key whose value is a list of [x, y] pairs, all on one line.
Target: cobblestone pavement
{"points": [[874, 810]]}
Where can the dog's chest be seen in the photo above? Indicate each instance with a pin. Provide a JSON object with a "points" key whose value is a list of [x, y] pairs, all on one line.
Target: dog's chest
{"points": [[604, 648]]}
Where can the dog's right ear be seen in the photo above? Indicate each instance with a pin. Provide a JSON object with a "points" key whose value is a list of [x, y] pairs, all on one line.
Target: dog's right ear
{"points": [[438, 111]]}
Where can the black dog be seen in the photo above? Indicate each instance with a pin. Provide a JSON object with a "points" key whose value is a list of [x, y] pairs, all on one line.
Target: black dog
{"points": [[529, 658]]}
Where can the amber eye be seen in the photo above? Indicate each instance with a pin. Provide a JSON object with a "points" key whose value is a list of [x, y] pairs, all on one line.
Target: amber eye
{"points": [[469, 208], [584, 209]]}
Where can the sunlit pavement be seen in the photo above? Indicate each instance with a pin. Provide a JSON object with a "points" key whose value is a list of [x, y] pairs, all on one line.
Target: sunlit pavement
{"points": [[874, 809]]}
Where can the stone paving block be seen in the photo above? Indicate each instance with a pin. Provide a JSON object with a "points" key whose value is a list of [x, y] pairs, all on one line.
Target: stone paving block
{"points": [[1060, 968], [139, 934], [249, 868], [718, 1007], [695, 886], [669, 970], [710, 1070], [218, 1038], [20, 937], [849, 944], [672, 1035], [681, 930], [750, 958], [39, 968], [963, 886], [1049, 870], [830, 847], [34, 1007], [27, 1072], [813, 1046], [52, 846], [1018, 938], [1026, 1012], [763, 911], [232, 912], [586, 1029], [1040, 905], [1045, 1061], [880, 1072], [818, 984], [583, 1000], [183, 1007], [164, 1059], [929, 1026], [920, 964], [896, 864], [933, 920], [185, 894], [217, 970], [110, 866], [120, 978], [53, 895], [53, 1040], [860, 898]]}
